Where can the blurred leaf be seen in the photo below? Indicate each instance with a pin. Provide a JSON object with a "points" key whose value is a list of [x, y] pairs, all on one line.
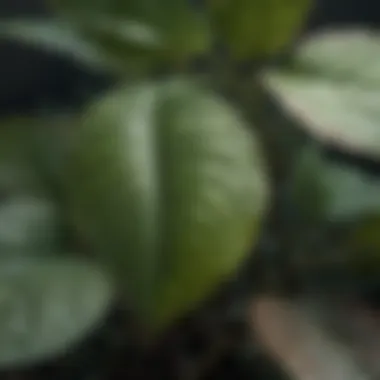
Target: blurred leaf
{"points": [[335, 192], [130, 45], [46, 306], [28, 225], [354, 194], [55, 36], [260, 28], [169, 186], [30, 222], [335, 89], [145, 31], [300, 336]]}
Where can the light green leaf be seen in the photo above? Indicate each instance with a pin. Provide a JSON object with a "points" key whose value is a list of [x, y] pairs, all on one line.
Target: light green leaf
{"points": [[47, 306], [260, 28], [55, 36], [168, 184], [334, 89], [332, 191]]}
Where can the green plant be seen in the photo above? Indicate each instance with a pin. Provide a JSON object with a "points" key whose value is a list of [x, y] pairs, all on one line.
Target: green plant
{"points": [[160, 186]]}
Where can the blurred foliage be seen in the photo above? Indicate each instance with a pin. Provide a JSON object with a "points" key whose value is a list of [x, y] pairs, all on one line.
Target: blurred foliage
{"points": [[332, 88], [257, 29], [198, 177]]}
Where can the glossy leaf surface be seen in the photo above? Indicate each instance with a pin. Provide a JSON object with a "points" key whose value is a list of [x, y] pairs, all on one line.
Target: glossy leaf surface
{"points": [[260, 28], [46, 306], [169, 186], [334, 89]]}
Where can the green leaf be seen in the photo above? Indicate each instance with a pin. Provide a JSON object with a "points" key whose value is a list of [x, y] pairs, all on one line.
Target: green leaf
{"points": [[146, 31], [131, 46], [334, 89], [260, 28], [168, 184], [47, 306], [55, 36], [334, 192], [28, 224]]}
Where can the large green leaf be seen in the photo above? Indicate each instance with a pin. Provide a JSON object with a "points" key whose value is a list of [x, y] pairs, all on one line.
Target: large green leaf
{"points": [[168, 185], [46, 306], [147, 30], [334, 89], [260, 28]]}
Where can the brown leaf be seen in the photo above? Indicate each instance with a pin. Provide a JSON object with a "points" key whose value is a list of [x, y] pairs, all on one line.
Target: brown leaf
{"points": [[303, 346]]}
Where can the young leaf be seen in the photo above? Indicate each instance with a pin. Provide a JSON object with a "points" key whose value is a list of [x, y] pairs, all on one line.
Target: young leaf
{"points": [[334, 89], [257, 29], [169, 186], [46, 306]]}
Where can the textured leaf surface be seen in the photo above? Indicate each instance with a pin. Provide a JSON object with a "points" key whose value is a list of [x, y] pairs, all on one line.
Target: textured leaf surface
{"points": [[334, 89], [260, 28], [47, 306], [168, 184]]}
